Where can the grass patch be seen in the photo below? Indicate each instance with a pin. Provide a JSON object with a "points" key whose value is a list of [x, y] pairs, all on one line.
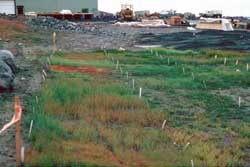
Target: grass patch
{"points": [[101, 120], [93, 63]]}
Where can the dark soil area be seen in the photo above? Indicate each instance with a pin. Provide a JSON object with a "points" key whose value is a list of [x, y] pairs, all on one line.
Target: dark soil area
{"points": [[236, 40]]}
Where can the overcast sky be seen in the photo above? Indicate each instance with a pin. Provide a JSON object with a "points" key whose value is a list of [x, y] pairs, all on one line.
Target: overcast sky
{"points": [[229, 7]]}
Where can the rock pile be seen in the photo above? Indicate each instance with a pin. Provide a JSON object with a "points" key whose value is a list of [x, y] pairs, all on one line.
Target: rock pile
{"points": [[50, 23], [7, 69]]}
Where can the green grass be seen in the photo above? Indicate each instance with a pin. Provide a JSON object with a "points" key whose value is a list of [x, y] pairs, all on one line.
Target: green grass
{"points": [[82, 111], [94, 63]]}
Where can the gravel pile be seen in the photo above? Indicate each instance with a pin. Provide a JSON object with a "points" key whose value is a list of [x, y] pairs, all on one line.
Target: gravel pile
{"points": [[50, 23]]}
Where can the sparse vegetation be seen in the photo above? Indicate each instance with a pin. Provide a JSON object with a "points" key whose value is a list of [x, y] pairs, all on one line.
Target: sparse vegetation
{"points": [[11, 29], [90, 120]]}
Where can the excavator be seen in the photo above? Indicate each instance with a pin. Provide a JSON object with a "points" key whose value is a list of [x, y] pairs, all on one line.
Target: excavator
{"points": [[126, 13]]}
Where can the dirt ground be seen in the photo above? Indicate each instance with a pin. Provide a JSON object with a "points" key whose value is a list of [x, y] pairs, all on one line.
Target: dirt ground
{"points": [[107, 36], [26, 82]]}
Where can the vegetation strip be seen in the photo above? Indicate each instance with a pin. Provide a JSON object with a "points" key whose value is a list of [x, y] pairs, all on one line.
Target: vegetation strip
{"points": [[182, 117]]}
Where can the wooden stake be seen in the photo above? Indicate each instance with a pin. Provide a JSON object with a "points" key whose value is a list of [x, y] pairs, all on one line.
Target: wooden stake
{"points": [[239, 101], [247, 67], [22, 155], [140, 92], [186, 146], [31, 126], [183, 70], [17, 109], [54, 42], [18, 145], [193, 75], [237, 62], [163, 124], [117, 64], [225, 61], [45, 74], [192, 163], [43, 77], [133, 83]]}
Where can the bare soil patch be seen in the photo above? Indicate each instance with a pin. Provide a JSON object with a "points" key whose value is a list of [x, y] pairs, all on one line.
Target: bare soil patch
{"points": [[68, 69], [11, 28]]}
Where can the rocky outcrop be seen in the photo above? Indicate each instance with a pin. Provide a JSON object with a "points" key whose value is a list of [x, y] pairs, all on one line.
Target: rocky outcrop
{"points": [[6, 76], [9, 59], [7, 69]]}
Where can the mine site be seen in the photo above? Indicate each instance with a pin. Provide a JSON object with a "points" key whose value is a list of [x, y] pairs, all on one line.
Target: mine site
{"points": [[136, 83]]}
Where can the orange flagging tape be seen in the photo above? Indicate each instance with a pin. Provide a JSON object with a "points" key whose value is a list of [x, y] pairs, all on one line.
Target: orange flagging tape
{"points": [[16, 117]]}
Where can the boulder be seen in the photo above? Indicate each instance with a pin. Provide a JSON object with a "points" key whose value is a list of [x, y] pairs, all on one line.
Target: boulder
{"points": [[7, 57], [6, 76]]}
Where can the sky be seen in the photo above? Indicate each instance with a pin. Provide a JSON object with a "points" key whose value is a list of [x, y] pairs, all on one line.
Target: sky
{"points": [[228, 7]]}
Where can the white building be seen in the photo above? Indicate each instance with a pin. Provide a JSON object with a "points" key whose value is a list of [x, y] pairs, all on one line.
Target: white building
{"points": [[7, 6]]}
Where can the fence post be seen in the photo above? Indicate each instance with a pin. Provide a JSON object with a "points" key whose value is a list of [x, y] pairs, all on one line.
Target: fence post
{"points": [[16, 119], [54, 42], [133, 83], [140, 92], [17, 108]]}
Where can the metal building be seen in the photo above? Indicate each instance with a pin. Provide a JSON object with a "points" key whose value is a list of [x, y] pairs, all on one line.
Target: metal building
{"points": [[7, 6], [48, 6]]}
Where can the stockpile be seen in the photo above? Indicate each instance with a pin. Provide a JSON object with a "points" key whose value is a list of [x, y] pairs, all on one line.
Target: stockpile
{"points": [[50, 23]]}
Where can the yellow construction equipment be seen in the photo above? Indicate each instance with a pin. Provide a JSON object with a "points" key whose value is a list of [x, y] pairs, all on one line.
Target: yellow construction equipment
{"points": [[126, 13]]}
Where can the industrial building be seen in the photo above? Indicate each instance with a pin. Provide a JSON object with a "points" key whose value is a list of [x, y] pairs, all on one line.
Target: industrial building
{"points": [[48, 6], [7, 7]]}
